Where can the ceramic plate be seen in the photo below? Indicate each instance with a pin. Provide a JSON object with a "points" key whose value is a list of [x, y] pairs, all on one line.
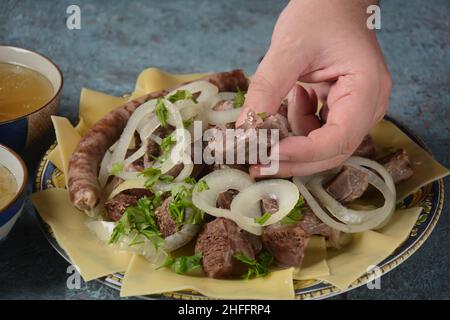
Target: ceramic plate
{"points": [[430, 198]]}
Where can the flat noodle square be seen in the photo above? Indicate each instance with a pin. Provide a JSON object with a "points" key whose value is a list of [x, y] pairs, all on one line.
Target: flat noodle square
{"points": [[141, 278], [93, 258], [426, 168]]}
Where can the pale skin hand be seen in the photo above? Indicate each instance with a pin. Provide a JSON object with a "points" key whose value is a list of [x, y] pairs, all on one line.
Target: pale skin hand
{"points": [[327, 43]]}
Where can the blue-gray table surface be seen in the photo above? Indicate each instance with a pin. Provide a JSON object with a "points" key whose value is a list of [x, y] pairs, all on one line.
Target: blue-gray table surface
{"points": [[120, 38]]}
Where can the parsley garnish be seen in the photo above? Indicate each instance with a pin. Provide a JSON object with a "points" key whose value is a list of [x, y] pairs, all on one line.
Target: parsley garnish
{"points": [[140, 219], [161, 112], [182, 95], [202, 186], [295, 215], [261, 220], [183, 264], [189, 180], [256, 267], [154, 175], [262, 115], [116, 168], [239, 99], [187, 123], [181, 201], [166, 144]]}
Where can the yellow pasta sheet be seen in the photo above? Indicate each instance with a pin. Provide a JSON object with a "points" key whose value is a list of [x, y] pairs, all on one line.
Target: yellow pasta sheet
{"points": [[142, 278], [92, 257], [368, 249], [426, 168]]}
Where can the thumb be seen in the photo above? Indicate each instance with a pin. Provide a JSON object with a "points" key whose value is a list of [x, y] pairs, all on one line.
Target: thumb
{"points": [[275, 77]]}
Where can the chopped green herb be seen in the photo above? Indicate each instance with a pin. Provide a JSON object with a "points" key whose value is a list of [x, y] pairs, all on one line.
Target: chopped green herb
{"points": [[295, 215], [161, 112], [154, 175], [187, 123], [183, 264], [239, 99], [140, 220], [182, 95], [256, 267], [202, 186], [189, 180], [166, 144], [197, 217], [261, 220], [116, 168], [179, 205], [262, 115]]}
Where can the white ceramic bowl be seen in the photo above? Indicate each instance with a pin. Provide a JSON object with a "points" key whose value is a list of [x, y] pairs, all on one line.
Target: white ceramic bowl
{"points": [[11, 212], [28, 129]]}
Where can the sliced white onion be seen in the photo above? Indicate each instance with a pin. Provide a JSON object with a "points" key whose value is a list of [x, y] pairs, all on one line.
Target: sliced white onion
{"points": [[136, 183], [216, 117], [104, 229], [219, 181], [136, 117], [103, 173], [246, 205], [188, 166], [139, 153], [208, 91], [345, 219]]}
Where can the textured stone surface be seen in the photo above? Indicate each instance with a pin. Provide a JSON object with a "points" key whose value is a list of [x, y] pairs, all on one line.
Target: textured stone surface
{"points": [[120, 38]]}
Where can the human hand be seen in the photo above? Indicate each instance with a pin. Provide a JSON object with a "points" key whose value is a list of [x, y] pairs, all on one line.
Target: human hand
{"points": [[326, 43]]}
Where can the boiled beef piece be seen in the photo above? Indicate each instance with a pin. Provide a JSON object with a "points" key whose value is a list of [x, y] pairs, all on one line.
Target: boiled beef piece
{"points": [[398, 165], [366, 149], [349, 184], [286, 242], [225, 198], [116, 206], [269, 205], [313, 225], [219, 241], [165, 222]]}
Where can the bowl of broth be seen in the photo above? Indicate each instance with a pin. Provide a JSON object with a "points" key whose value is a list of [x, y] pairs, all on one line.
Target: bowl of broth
{"points": [[30, 88], [13, 181]]}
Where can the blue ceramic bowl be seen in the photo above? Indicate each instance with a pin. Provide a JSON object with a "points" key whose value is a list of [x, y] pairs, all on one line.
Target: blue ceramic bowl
{"points": [[28, 129], [11, 212]]}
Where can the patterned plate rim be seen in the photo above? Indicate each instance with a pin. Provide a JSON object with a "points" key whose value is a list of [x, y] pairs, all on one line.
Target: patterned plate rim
{"points": [[317, 289]]}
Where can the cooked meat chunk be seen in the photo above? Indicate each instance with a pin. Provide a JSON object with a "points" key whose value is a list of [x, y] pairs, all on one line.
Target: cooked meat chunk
{"points": [[116, 206], [349, 184], [224, 198], [269, 205], [223, 105], [398, 165], [283, 110], [166, 224], [153, 148], [286, 243], [277, 122], [248, 139], [313, 225], [219, 240], [366, 149]]}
